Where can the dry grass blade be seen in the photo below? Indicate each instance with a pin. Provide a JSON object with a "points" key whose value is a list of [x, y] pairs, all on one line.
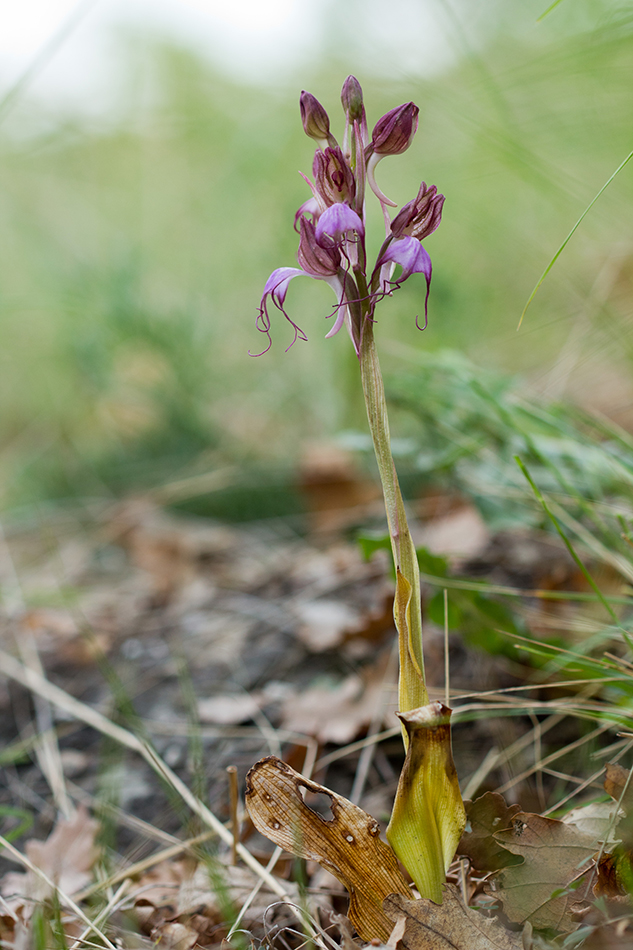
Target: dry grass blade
{"points": [[348, 844], [38, 684], [140, 866], [104, 913], [553, 757], [64, 898]]}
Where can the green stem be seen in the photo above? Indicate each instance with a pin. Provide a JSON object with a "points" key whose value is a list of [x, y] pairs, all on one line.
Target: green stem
{"points": [[407, 604]]}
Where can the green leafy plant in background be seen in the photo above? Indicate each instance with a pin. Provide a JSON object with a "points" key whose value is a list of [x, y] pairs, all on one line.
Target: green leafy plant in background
{"points": [[161, 193]]}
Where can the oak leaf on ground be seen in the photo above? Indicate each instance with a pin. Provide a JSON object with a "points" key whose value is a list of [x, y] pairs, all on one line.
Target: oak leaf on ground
{"points": [[486, 815], [339, 713], [66, 858], [452, 925], [556, 856]]}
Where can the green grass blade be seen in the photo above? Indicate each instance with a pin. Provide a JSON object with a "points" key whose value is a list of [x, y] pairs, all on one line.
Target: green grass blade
{"points": [[571, 234], [570, 548], [551, 7]]}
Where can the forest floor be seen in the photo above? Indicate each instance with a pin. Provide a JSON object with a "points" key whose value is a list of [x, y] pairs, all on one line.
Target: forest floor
{"points": [[216, 645]]}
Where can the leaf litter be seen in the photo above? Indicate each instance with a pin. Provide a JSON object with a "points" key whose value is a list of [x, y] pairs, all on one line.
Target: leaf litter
{"points": [[233, 602]]}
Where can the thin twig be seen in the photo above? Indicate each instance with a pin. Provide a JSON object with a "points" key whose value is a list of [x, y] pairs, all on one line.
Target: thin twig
{"points": [[231, 771], [447, 688]]}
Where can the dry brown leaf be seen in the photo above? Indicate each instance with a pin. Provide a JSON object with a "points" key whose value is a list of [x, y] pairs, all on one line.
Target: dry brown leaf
{"points": [[486, 815], [597, 819], [607, 883], [174, 936], [66, 858], [188, 895], [555, 855], [228, 709], [615, 782], [336, 715], [159, 885], [348, 844], [461, 533], [332, 484], [60, 638], [324, 624], [452, 925]]}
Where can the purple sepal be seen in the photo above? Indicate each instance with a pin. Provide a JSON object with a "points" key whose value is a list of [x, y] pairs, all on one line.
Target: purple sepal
{"points": [[335, 222], [277, 287], [309, 207], [314, 259], [333, 177], [420, 217]]}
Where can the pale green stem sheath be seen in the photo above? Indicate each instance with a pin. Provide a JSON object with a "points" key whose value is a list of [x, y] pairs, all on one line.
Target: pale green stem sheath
{"points": [[407, 607], [428, 815]]}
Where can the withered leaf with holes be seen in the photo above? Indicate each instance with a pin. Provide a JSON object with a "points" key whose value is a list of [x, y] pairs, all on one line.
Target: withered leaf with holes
{"points": [[348, 844], [556, 856], [486, 815], [452, 925]]}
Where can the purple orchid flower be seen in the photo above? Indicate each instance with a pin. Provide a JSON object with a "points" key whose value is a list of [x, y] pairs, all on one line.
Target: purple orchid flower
{"points": [[331, 223]]}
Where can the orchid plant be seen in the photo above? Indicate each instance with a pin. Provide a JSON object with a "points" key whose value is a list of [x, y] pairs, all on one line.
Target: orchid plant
{"points": [[428, 815]]}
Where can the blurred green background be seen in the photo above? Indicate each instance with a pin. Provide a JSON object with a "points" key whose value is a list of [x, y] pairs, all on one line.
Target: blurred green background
{"points": [[135, 247]]}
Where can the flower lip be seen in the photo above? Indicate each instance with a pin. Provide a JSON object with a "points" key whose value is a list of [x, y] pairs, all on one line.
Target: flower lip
{"points": [[335, 222], [409, 253], [393, 133], [414, 259], [420, 217]]}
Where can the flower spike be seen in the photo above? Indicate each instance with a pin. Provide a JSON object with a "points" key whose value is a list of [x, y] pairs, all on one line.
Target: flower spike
{"points": [[331, 222]]}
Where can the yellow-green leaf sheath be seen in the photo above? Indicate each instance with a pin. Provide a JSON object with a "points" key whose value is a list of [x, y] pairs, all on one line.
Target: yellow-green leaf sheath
{"points": [[428, 815]]}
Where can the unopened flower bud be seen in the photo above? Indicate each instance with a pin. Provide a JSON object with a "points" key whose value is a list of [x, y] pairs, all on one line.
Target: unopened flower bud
{"points": [[316, 122], [334, 179], [316, 260], [394, 132], [420, 217], [352, 99]]}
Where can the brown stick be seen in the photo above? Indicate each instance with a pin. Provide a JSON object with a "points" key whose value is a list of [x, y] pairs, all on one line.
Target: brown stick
{"points": [[231, 771]]}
